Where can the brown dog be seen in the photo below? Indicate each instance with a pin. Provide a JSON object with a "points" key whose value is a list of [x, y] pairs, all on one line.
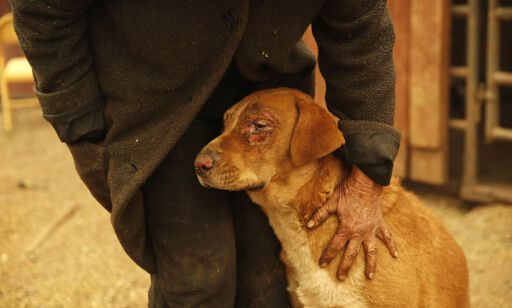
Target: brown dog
{"points": [[276, 145]]}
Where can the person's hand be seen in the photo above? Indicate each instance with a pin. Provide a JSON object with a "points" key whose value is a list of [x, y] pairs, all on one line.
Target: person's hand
{"points": [[358, 204]]}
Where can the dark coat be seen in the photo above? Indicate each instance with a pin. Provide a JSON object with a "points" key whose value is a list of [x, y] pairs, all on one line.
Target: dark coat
{"points": [[139, 71]]}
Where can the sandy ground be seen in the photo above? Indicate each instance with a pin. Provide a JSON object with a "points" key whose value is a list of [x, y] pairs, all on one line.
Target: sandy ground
{"points": [[82, 265]]}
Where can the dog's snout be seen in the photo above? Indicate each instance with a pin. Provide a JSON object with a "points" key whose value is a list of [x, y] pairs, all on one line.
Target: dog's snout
{"points": [[203, 163]]}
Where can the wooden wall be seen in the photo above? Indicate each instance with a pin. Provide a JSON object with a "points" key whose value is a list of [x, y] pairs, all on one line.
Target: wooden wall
{"points": [[428, 73], [399, 10]]}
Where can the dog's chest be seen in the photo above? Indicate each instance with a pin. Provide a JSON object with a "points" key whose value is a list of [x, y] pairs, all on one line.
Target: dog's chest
{"points": [[316, 289], [308, 284]]}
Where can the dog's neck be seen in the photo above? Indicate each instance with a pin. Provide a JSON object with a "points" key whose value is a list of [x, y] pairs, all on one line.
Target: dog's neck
{"points": [[290, 199], [301, 189]]}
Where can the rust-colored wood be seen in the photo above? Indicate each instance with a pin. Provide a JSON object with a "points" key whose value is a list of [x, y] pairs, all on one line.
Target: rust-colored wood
{"points": [[487, 193], [399, 10], [428, 71], [429, 35], [319, 80], [4, 7]]}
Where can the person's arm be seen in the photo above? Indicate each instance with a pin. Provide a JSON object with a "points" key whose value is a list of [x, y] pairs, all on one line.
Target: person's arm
{"points": [[355, 40], [53, 35]]}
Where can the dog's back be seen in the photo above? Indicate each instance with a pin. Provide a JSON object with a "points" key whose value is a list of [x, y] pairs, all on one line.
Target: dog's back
{"points": [[431, 270]]}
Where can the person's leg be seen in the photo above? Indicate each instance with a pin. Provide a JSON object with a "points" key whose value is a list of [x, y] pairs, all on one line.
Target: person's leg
{"points": [[191, 230], [186, 221], [261, 278]]}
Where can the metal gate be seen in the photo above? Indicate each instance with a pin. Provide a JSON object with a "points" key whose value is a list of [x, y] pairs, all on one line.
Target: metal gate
{"points": [[481, 93]]}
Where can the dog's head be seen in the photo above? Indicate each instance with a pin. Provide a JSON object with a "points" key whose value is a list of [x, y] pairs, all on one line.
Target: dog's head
{"points": [[264, 134]]}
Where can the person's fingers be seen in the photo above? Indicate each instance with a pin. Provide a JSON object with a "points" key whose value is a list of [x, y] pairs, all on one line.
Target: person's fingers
{"points": [[349, 257], [370, 249], [333, 248], [388, 240], [320, 215]]}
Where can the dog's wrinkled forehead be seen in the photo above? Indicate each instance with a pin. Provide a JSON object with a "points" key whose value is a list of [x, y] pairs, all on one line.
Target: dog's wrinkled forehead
{"points": [[268, 106]]}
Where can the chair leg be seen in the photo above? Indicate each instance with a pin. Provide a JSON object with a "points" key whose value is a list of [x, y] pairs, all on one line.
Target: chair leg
{"points": [[6, 105]]}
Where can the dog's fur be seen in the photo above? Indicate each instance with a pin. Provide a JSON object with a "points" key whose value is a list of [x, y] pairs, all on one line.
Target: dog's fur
{"points": [[276, 145]]}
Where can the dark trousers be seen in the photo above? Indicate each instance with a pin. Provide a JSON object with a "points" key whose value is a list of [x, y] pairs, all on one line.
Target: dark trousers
{"points": [[213, 248]]}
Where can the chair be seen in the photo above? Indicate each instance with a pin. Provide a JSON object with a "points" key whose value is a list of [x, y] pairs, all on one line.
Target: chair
{"points": [[14, 70]]}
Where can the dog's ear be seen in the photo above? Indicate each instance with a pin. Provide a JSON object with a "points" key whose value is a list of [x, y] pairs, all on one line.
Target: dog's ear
{"points": [[316, 134]]}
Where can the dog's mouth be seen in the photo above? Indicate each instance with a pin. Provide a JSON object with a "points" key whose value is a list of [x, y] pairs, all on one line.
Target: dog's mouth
{"points": [[256, 187], [207, 183], [202, 181]]}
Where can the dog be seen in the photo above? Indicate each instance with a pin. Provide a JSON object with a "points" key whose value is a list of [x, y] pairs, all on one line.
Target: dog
{"points": [[276, 145]]}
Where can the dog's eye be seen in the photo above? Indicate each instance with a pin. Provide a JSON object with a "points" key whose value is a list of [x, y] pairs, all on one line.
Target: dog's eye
{"points": [[259, 127], [256, 128]]}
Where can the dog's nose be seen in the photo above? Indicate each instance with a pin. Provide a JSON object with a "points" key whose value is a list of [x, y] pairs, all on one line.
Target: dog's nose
{"points": [[203, 163]]}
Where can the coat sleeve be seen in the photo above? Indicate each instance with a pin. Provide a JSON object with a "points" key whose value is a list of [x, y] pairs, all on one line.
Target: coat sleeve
{"points": [[355, 40], [53, 35]]}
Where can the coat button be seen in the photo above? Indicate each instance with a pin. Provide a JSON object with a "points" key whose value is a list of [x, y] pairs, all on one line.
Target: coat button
{"points": [[231, 19]]}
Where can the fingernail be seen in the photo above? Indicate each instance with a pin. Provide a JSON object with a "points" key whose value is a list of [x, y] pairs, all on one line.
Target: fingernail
{"points": [[395, 254], [341, 277], [371, 275], [310, 224], [323, 264]]}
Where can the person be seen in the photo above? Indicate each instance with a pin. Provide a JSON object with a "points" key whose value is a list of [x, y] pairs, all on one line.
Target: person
{"points": [[136, 88]]}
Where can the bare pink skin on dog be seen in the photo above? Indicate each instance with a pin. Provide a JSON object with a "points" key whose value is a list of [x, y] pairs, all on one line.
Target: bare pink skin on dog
{"points": [[256, 130]]}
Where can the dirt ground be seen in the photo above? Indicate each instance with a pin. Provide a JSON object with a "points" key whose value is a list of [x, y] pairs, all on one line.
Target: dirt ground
{"points": [[81, 264]]}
